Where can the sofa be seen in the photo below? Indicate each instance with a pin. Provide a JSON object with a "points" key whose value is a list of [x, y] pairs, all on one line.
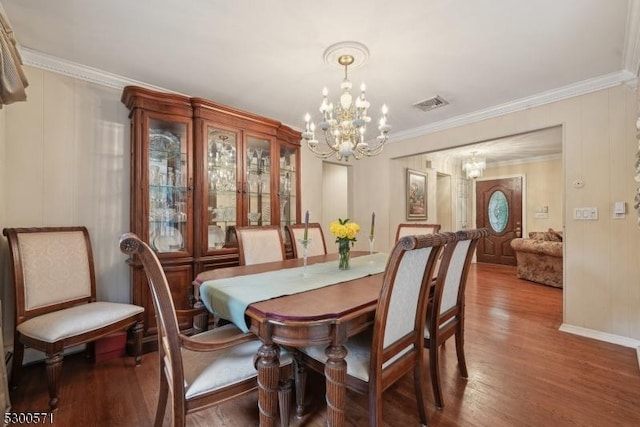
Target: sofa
{"points": [[539, 258]]}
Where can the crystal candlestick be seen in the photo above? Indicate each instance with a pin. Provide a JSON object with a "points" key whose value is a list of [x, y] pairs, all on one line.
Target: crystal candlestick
{"points": [[371, 240], [305, 247]]}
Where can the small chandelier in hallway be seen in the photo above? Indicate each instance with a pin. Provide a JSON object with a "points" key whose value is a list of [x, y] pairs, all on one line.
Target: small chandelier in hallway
{"points": [[474, 166]]}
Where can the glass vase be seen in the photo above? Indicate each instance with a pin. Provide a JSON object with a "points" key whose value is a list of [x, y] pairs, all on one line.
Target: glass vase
{"points": [[344, 253]]}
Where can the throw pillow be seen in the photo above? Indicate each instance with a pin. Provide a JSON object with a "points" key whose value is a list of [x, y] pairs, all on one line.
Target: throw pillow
{"points": [[555, 236]]}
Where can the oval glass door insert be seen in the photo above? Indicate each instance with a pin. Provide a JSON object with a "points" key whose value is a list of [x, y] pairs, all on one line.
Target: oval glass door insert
{"points": [[498, 211]]}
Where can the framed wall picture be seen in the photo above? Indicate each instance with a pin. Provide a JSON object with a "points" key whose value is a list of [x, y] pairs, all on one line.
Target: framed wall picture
{"points": [[416, 195]]}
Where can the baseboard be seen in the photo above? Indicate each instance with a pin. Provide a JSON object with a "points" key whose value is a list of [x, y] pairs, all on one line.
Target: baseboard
{"points": [[601, 336]]}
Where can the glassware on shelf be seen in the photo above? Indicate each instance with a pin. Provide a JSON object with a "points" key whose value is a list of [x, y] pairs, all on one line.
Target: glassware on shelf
{"points": [[258, 157], [253, 217], [250, 154]]}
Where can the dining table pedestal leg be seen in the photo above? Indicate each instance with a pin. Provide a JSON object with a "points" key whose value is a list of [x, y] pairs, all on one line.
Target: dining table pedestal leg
{"points": [[335, 372], [268, 377]]}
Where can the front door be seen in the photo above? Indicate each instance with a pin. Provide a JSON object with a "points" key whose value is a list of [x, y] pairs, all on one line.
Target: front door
{"points": [[499, 208]]}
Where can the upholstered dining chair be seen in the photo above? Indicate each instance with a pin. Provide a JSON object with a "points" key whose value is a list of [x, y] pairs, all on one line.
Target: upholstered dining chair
{"points": [[380, 356], [445, 313], [55, 299], [259, 244], [314, 233], [409, 229], [204, 369]]}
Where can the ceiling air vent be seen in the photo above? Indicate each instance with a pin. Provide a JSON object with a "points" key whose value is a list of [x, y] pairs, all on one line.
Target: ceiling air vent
{"points": [[431, 103]]}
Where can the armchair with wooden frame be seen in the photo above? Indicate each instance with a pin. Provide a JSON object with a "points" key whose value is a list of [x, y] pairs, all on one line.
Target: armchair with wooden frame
{"points": [[383, 354], [205, 369], [317, 245], [55, 299], [445, 313]]}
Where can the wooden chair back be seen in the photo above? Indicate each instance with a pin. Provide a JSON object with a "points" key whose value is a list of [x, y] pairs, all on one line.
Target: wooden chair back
{"points": [[260, 244], [55, 299], [53, 269], [314, 233], [169, 345], [380, 356], [204, 369], [402, 306], [409, 229], [445, 315]]}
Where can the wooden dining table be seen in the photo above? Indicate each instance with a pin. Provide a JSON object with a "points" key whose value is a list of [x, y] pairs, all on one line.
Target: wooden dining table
{"points": [[325, 315]]}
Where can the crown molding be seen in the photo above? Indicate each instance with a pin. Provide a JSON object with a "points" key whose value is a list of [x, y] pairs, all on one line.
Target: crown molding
{"points": [[43, 61], [569, 91], [46, 62]]}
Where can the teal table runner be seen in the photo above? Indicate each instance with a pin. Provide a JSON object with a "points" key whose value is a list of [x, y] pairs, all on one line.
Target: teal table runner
{"points": [[229, 298]]}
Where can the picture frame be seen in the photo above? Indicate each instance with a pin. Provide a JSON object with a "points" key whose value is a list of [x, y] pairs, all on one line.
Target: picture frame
{"points": [[416, 195]]}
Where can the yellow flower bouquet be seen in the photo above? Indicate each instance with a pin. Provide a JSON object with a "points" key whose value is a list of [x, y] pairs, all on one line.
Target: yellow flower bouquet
{"points": [[345, 232]]}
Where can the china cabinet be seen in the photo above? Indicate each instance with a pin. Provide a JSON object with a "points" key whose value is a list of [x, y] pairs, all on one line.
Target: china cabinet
{"points": [[198, 169]]}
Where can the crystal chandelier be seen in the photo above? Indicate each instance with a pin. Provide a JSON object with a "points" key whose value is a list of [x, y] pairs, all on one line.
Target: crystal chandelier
{"points": [[474, 166], [343, 125]]}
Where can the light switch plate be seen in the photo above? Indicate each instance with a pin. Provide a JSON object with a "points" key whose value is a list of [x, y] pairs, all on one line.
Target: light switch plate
{"points": [[585, 214]]}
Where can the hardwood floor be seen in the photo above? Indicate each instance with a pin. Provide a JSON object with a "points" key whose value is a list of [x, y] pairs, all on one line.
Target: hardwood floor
{"points": [[522, 372]]}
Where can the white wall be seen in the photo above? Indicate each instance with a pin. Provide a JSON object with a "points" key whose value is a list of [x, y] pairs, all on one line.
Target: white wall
{"points": [[602, 274]]}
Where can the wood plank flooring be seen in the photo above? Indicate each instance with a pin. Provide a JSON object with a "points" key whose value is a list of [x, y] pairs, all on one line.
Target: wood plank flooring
{"points": [[522, 372]]}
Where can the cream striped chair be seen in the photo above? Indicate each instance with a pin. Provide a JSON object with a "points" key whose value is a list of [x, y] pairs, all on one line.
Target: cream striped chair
{"points": [[445, 315], [383, 354], [205, 369], [55, 295], [259, 244], [314, 234]]}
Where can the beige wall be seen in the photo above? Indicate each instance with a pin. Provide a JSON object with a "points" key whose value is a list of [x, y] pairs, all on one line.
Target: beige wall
{"points": [[542, 187], [602, 274], [67, 151], [67, 156]]}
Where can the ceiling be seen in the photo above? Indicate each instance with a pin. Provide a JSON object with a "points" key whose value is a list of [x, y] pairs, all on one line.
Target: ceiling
{"points": [[267, 56]]}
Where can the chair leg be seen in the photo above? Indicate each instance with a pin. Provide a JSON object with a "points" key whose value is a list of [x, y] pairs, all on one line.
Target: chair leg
{"points": [[90, 351], [18, 355], [162, 399], [137, 330], [284, 401], [54, 369], [300, 375], [420, 390], [375, 406], [462, 363], [434, 370]]}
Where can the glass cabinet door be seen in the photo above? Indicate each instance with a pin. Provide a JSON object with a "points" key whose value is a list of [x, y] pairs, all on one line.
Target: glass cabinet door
{"points": [[222, 148], [168, 187], [258, 181], [287, 186]]}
